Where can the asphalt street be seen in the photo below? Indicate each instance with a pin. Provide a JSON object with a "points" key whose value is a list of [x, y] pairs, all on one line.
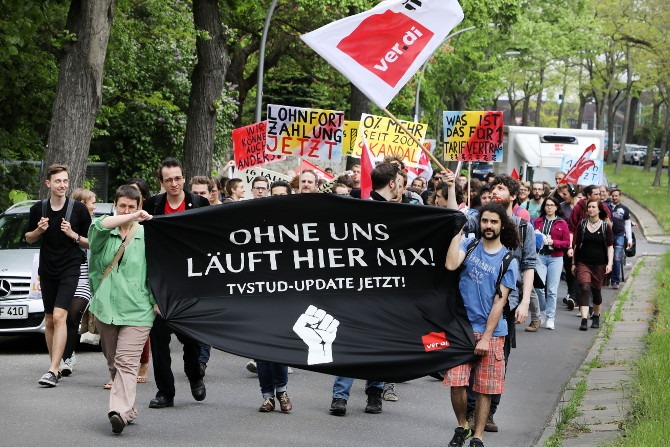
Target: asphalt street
{"points": [[74, 413]]}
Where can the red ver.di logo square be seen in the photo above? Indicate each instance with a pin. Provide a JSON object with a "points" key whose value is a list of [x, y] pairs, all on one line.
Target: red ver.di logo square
{"points": [[434, 341], [386, 44]]}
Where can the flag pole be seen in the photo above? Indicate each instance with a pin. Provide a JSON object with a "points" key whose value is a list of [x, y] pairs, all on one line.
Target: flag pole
{"points": [[416, 140]]}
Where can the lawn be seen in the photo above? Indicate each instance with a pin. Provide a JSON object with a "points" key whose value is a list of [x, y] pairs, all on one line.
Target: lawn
{"points": [[649, 425], [636, 183]]}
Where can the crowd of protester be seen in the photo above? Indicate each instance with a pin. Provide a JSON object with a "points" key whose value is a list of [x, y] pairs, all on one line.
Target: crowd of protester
{"points": [[577, 234]]}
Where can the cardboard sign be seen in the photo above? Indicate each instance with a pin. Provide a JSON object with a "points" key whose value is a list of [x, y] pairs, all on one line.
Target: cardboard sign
{"points": [[473, 136], [313, 134], [591, 176], [384, 137], [249, 146], [350, 135]]}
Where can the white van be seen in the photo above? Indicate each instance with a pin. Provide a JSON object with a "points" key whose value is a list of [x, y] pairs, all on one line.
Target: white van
{"points": [[537, 152]]}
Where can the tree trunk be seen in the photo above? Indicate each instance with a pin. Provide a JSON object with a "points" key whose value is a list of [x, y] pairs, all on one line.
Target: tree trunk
{"points": [[538, 104], [79, 90], [525, 114], [664, 150], [359, 104], [206, 86], [626, 116], [634, 107]]}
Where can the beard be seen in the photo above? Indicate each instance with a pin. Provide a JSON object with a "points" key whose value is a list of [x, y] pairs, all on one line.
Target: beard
{"points": [[490, 234]]}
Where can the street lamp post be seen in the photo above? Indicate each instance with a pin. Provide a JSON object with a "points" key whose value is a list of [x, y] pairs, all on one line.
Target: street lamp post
{"points": [[261, 61], [423, 67]]}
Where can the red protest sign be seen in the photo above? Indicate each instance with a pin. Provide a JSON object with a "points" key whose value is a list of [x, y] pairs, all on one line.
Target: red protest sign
{"points": [[249, 146]]}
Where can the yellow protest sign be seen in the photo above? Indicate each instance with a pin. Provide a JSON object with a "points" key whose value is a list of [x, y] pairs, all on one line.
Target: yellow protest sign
{"points": [[384, 137]]}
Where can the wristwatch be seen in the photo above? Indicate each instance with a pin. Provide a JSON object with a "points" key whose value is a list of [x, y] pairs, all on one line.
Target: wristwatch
{"points": [[77, 239]]}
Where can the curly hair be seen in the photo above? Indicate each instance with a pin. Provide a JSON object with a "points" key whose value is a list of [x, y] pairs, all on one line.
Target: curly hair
{"points": [[509, 236], [510, 183]]}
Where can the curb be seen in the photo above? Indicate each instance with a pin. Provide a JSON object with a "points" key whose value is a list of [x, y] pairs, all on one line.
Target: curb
{"points": [[583, 371]]}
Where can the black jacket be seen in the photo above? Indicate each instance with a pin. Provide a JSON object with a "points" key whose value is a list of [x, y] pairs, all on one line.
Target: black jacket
{"points": [[155, 205]]}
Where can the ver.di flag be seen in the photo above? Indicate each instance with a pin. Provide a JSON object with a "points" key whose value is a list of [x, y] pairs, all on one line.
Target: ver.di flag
{"points": [[380, 50], [316, 281]]}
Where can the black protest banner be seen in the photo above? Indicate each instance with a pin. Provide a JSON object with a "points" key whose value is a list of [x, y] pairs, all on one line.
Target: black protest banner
{"points": [[326, 283]]}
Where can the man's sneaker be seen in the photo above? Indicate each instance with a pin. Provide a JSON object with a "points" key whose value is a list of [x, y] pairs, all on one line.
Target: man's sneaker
{"points": [[460, 435], [565, 298], [268, 405], [585, 325], [389, 393], [550, 324], [476, 442], [615, 286], [570, 303], [532, 327], [490, 426], [285, 404], [338, 407], [49, 380], [595, 321], [67, 365], [374, 405], [251, 367]]}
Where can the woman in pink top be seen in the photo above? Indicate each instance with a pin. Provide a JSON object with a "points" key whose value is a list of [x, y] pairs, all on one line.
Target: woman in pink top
{"points": [[556, 242]]}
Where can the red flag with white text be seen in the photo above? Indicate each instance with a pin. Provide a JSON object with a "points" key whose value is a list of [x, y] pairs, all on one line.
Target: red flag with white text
{"points": [[380, 50]]}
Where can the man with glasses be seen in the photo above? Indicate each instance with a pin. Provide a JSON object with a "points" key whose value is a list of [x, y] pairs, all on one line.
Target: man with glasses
{"points": [[533, 205], [260, 187], [436, 178], [173, 200]]}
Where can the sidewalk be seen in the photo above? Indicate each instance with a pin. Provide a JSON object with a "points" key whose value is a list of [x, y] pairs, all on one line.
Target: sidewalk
{"points": [[609, 368], [647, 221], [608, 371]]}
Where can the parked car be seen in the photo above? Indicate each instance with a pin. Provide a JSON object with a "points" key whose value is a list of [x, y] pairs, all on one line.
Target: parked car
{"points": [[633, 152], [655, 155], [18, 312]]}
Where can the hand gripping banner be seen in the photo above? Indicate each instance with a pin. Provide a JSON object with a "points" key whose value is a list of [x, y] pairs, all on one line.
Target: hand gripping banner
{"points": [[348, 287]]}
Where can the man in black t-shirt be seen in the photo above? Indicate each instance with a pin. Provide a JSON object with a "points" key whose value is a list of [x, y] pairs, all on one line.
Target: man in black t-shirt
{"points": [[63, 250], [622, 231]]}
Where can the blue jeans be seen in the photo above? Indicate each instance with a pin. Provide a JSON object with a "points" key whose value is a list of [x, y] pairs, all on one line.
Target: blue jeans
{"points": [[342, 387], [618, 252], [554, 266], [272, 377]]}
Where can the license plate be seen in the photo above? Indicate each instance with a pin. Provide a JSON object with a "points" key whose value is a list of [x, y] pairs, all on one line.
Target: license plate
{"points": [[13, 312]]}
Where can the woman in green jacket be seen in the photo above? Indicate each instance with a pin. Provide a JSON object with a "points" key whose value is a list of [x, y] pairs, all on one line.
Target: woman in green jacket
{"points": [[123, 304]]}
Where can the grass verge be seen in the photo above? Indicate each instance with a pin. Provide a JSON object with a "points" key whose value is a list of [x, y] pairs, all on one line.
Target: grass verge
{"points": [[636, 183], [649, 425]]}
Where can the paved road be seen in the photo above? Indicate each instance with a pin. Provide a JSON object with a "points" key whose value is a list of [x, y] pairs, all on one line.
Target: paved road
{"points": [[74, 413]]}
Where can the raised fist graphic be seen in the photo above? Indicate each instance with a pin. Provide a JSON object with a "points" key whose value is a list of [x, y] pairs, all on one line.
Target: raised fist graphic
{"points": [[318, 330]]}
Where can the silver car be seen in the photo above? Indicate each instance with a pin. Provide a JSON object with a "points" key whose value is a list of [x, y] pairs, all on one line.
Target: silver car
{"points": [[18, 312]]}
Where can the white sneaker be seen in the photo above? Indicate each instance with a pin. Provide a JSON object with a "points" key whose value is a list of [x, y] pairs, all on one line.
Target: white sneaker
{"points": [[550, 324], [67, 365], [543, 317]]}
